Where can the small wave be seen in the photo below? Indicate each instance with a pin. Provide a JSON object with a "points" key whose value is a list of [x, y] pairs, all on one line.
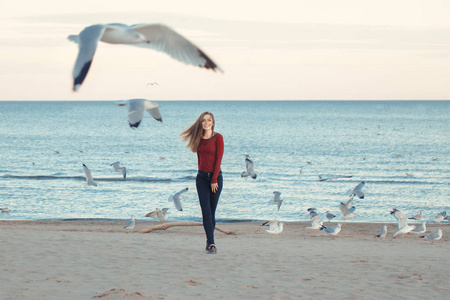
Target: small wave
{"points": [[52, 177]]}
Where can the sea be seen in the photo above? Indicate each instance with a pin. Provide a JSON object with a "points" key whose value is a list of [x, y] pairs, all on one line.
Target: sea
{"points": [[400, 149]]}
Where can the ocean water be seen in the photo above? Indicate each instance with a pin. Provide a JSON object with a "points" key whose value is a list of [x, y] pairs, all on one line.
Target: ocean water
{"points": [[44, 144]]}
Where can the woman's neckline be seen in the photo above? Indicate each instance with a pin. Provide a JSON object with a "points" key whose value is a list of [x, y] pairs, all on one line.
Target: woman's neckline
{"points": [[212, 135]]}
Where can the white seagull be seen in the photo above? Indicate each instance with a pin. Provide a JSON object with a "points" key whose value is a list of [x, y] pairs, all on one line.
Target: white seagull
{"points": [[275, 226], [136, 108], [276, 199], [434, 236], [417, 217], [312, 212], [440, 216], [176, 199], [5, 209], [402, 226], [382, 232], [130, 224], [332, 230], [315, 223], [89, 179], [357, 190], [420, 229], [249, 171], [346, 214], [118, 168], [329, 216], [161, 214], [156, 36]]}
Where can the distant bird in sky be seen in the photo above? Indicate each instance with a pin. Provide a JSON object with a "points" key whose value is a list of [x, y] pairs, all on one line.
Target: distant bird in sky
{"points": [[276, 199], [130, 224], [382, 232], [89, 179], [152, 83], [357, 190], [249, 171], [155, 36], [275, 226], [417, 217], [136, 108], [118, 168], [177, 197]]}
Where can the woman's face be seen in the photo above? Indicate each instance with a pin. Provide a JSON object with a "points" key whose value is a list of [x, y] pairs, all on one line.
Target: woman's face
{"points": [[207, 122]]}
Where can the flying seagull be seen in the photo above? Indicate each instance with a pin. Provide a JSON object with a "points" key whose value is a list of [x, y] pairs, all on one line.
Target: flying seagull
{"points": [[89, 179], [176, 199], [356, 191], [276, 199], [249, 171], [346, 214], [332, 230], [275, 226], [136, 108], [155, 36], [118, 168], [417, 217], [161, 214]]}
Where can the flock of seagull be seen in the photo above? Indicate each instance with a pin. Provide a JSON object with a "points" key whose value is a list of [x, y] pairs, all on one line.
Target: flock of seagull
{"points": [[347, 209]]}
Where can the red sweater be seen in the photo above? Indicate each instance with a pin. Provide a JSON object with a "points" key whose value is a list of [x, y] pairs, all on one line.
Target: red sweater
{"points": [[209, 154]]}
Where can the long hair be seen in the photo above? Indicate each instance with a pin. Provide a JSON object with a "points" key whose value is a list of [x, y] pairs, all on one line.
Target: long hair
{"points": [[193, 135]]}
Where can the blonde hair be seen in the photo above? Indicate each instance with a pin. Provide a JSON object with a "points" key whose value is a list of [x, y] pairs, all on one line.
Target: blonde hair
{"points": [[193, 135]]}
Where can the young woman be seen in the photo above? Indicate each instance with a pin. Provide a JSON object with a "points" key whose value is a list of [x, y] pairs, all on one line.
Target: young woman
{"points": [[208, 145]]}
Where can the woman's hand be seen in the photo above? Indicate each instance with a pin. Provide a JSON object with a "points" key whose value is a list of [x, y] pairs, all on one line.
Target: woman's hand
{"points": [[214, 187]]}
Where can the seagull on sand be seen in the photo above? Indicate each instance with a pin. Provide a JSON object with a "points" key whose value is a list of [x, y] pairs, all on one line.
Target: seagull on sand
{"points": [[315, 223], [420, 229], [357, 190], [434, 236], [417, 217], [382, 232], [346, 214], [276, 200], [5, 209], [89, 179], [176, 199], [249, 171], [402, 226], [332, 230], [161, 214], [440, 216], [118, 168], [275, 226], [136, 108], [130, 224], [156, 36]]}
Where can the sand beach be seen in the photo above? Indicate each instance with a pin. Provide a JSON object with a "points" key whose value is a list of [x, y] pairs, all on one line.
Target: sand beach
{"points": [[101, 260]]}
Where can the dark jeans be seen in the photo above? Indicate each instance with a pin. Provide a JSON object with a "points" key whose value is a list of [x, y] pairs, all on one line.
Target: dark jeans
{"points": [[208, 202]]}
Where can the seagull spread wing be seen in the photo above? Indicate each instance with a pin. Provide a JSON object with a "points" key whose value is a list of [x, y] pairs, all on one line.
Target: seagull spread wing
{"points": [[87, 44], [89, 179], [162, 38]]}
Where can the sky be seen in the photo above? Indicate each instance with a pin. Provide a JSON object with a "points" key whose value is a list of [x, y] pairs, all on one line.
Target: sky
{"points": [[282, 50]]}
